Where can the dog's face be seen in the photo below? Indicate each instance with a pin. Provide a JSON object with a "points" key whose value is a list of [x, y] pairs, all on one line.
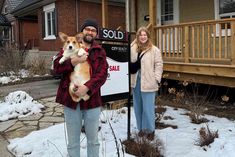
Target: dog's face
{"points": [[71, 43]]}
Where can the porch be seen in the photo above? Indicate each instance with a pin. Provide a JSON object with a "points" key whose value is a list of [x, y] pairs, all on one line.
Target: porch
{"points": [[202, 52]]}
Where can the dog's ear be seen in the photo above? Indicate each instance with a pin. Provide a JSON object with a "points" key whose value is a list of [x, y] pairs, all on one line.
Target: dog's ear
{"points": [[63, 36], [79, 37]]}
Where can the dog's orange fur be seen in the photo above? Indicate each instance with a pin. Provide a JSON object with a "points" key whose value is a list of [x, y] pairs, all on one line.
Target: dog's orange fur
{"points": [[71, 46], [81, 73], [79, 76]]}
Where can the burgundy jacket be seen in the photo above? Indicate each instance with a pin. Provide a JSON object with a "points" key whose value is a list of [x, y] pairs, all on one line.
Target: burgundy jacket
{"points": [[99, 65]]}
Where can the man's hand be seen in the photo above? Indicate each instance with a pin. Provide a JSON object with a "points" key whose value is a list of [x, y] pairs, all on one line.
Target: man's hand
{"points": [[81, 91], [78, 59]]}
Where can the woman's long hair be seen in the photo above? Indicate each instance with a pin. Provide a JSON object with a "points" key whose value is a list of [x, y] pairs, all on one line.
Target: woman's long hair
{"points": [[140, 46]]}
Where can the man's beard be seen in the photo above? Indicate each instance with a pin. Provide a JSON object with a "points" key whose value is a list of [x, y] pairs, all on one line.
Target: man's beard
{"points": [[88, 39]]}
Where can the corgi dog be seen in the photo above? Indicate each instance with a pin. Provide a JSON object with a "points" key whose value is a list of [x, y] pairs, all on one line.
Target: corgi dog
{"points": [[72, 45], [78, 77]]}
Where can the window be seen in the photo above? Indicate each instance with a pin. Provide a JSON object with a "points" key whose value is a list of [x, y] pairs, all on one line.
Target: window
{"points": [[49, 22], [5, 9], [166, 11], [226, 6], [224, 9]]}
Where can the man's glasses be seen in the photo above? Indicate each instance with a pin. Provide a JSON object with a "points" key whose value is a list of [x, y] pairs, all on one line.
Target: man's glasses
{"points": [[90, 30]]}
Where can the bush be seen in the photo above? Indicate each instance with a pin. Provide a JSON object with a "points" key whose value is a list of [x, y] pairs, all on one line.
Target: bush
{"points": [[38, 66], [11, 60], [142, 147], [207, 136]]}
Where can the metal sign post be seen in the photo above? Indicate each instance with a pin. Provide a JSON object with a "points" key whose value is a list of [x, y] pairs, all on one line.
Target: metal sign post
{"points": [[129, 94], [117, 87]]}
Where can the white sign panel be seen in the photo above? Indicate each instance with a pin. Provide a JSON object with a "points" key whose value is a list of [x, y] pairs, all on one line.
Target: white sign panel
{"points": [[117, 81]]}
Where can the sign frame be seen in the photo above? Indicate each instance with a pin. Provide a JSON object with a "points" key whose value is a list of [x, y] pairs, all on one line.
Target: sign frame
{"points": [[123, 37]]}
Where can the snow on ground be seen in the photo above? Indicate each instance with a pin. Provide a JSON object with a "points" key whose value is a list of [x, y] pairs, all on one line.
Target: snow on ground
{"points": [[18, 104], [12, 76], [180, 142]]}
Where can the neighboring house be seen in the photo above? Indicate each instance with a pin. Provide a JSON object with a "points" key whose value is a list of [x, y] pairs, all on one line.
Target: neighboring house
{"points": [[196, 37], [39, 21], [4, 30], [7, 21]]}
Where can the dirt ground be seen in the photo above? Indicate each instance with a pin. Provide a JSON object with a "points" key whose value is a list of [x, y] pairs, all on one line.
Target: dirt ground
{"points": [[215, 100], [225, 110]]}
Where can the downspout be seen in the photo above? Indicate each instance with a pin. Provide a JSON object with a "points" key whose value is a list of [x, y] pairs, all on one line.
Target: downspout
{"points": [[19, 30], [136, 16], [127, 16], [76, 16]]}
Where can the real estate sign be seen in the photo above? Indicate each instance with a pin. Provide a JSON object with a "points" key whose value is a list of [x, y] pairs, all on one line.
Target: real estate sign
{"points": [[117, 85]]}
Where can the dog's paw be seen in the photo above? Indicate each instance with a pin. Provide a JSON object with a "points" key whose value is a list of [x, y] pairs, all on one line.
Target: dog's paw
{"points": [[61, 61], [81, 52], [86, 97]]}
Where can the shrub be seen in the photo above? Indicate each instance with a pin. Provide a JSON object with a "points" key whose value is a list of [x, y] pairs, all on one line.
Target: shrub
{"points": [[197, 103], [142, 147], [38, 66], [206, 136], [11, 60], [194, 99]]}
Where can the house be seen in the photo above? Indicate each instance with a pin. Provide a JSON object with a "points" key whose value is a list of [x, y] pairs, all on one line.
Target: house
{"points": [[34, 24], [4, 29], [7, 21], [196, 37], [39, 21]]}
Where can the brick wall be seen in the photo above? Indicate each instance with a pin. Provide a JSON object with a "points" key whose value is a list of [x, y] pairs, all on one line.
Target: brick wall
{"points": [[24, 30], [29, 31], [66, 11], [66, 23]]}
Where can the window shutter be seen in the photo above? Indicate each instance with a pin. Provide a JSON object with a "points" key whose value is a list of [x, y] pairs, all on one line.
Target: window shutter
{"points": [[56, 23], [43, 24]]}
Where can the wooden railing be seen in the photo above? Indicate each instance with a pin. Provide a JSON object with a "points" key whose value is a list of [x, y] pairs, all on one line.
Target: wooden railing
{"points": [[207, 42]]}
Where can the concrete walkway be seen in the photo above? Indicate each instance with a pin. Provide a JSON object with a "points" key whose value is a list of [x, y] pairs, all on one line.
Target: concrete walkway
{"points": [[51, 115]]}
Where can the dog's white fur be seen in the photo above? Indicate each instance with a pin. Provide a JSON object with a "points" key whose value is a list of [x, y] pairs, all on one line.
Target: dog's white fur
{"points": [[72, 46], [81, 74]]}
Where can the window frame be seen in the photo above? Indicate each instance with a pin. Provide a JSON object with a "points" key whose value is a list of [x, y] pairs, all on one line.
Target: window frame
{"points": [[219, 16], [49, 10], [175, 13], [164, 14], [5, 9]]}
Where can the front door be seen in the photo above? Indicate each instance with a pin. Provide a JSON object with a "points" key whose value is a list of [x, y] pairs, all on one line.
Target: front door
{"points": [[168, 12]]}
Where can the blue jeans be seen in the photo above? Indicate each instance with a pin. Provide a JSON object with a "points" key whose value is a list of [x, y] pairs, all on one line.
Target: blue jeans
{"points": [[144, 107], [73, 120]]}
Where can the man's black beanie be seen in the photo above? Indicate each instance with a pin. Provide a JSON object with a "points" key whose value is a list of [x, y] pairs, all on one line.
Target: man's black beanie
{"points": [[90, 22]]}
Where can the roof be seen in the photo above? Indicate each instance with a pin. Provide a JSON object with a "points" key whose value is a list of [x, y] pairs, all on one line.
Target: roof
{"points": [[28, 6], [1, 4], [25, 3], [14, 3], [4, 21]]}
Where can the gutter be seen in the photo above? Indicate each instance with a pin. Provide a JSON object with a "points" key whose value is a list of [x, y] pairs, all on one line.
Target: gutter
{"points": [[30, 7]]}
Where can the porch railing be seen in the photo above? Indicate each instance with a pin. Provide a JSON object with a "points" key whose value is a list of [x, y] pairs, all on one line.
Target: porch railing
{"points": [[207, 42]]}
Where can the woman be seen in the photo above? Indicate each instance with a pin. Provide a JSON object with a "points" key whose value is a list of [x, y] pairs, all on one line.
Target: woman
{"points": [[145, 81]]}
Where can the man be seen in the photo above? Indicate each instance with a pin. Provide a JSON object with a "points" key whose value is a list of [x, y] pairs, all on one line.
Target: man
{"points": [[85, 112]]}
